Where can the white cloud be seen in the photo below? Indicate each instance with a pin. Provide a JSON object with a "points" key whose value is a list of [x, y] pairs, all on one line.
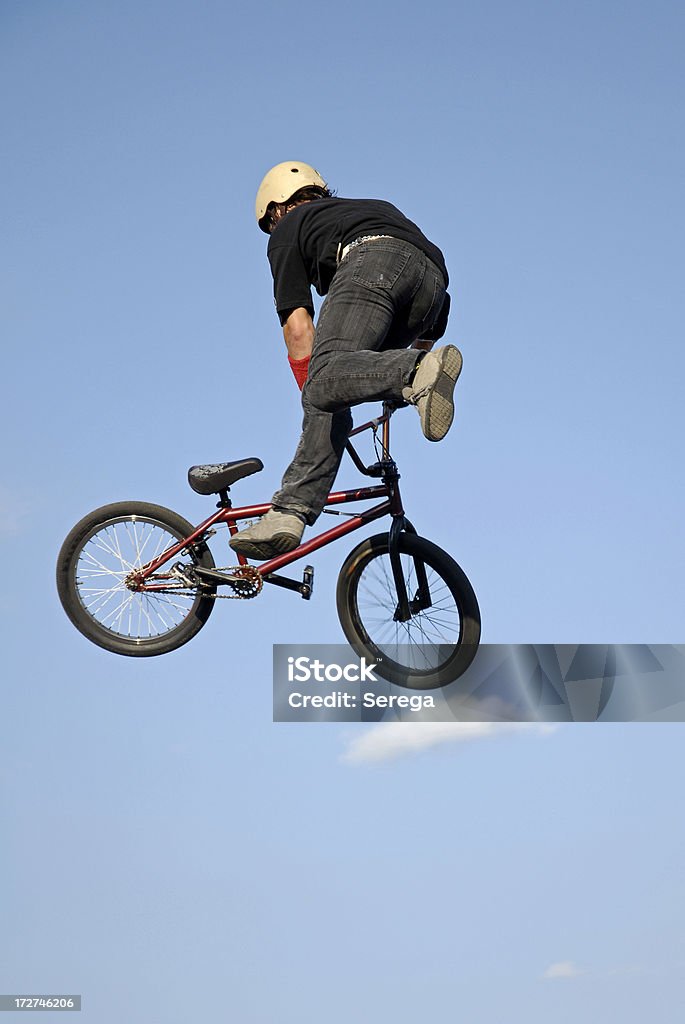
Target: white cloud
{"points": [[389, 740], [563, 969]]}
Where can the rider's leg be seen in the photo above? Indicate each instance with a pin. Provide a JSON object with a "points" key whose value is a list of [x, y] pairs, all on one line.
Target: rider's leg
{"points": [[379, 302], [384, 295], [309, 477], [305, 485]]}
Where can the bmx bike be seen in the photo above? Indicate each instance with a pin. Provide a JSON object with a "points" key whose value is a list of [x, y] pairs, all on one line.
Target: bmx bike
{"points": [[138, 579]]}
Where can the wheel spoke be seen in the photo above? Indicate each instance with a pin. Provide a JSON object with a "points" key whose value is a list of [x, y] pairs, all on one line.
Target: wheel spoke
{"points": [[107, 558], [426, 639]]}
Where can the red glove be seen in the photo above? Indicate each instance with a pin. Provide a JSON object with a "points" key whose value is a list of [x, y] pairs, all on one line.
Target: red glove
{"points": [[300, 368]]}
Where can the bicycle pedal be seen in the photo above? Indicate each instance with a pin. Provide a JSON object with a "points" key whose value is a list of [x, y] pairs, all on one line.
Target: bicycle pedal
{"points": [[307, 582]]}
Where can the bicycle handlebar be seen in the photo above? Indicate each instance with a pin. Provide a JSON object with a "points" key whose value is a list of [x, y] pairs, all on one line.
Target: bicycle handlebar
{"points": [[389, 407]]}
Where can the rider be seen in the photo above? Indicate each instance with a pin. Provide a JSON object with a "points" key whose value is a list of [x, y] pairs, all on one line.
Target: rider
{"points": [[385, 285]]}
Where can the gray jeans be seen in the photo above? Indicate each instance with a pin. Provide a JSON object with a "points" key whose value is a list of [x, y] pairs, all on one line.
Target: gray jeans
{"points": [[385, 295]]}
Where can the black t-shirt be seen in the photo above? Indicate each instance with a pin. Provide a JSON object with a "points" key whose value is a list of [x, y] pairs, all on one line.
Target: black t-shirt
{"points": [[303, 248]]}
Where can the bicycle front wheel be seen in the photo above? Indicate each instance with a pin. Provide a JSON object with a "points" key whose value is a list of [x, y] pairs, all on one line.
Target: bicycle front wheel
{"points": [[98, 557], [439, 640]]}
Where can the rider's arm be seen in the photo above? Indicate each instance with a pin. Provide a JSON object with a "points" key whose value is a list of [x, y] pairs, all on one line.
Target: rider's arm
{"points": [[298, 331], [293, 298]]}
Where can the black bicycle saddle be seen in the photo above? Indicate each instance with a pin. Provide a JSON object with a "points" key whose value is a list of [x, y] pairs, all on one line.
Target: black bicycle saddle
{"points": [[220, 476]]}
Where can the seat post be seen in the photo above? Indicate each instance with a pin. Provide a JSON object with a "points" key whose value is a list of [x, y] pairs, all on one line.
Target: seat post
{"points": [[224, 500]]}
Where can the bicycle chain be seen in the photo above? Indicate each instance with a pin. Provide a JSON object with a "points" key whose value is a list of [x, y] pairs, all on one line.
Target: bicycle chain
{"points": [[249, 584]]}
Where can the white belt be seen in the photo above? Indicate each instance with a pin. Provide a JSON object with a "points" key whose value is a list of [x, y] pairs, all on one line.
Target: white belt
{"points": [[358, 241]]}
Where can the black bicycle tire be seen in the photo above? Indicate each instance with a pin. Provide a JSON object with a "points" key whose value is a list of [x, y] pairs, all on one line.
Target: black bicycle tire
{"points": [[451, 573], [67, 562]]}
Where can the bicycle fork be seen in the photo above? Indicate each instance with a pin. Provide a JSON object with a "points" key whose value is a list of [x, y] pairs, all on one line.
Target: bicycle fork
{"points": [[407, 607]]}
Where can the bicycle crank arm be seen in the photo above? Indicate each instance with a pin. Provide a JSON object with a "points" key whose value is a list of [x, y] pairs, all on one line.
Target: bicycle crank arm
{"points": [[213, 575], [305, 588]]}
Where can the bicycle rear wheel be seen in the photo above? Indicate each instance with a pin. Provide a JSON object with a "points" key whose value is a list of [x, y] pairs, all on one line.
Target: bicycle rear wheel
{"points": [[438, 642], [98, 555]]}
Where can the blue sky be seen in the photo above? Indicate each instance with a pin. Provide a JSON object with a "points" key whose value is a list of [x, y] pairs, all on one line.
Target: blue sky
{"points": [[169, 852]]}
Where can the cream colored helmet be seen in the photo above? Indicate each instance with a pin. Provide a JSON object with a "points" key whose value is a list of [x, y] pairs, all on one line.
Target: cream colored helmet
{"points": [[282, 182]]}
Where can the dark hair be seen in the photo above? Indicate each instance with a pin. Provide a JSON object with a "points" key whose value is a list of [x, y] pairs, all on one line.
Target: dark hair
{"points": [[275, 211]]}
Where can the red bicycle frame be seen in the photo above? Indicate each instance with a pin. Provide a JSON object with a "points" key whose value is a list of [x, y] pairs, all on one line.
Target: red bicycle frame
{"points": [[388, 489]]}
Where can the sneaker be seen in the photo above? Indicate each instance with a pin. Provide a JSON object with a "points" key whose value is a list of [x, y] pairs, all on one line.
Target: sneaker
{"points": [[274, 534], [432, 388]]}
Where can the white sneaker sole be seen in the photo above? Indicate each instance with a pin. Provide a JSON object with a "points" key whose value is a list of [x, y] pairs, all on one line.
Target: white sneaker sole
{"points": [[437, 408], [263, 549]]}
